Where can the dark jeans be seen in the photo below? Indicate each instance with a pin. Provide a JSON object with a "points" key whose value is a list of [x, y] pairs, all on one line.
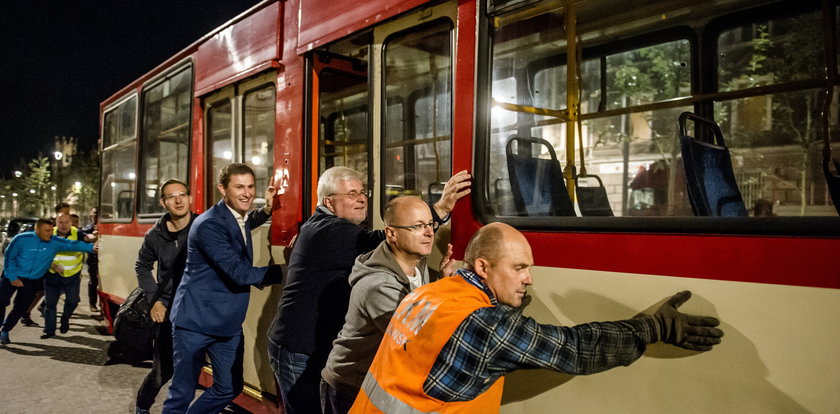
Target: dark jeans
{"points": [[189, 350], [161, 366], [299, 379], [24, 297], [334, 401], [54, 286]]}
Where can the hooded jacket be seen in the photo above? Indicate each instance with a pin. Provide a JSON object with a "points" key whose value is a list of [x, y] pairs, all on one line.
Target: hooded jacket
{"points": [[378, 285], [171, 257]]}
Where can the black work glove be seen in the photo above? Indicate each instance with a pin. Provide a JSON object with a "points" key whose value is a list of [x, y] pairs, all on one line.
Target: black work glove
{"points": [[697, 333]]}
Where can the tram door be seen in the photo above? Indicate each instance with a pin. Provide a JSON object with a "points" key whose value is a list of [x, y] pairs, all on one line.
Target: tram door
{"points": [[340, 108], [239, 127], [381, 103], [413, 69]]}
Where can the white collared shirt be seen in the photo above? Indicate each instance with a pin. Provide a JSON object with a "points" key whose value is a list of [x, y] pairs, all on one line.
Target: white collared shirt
{"points": [[240, 220]]}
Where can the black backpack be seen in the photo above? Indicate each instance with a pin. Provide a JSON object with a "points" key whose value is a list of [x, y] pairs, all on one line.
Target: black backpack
{"points": [[133, 326]]}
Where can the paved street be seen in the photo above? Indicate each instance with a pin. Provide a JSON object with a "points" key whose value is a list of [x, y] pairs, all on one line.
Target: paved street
{"points": [[68, 373]]}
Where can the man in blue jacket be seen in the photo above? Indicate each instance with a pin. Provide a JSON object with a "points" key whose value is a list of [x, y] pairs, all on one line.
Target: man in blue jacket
{"points": [[28, 257], [212, 298]]}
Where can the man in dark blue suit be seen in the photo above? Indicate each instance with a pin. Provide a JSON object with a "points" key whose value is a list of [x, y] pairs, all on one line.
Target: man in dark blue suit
{"points": [[212, 299]]}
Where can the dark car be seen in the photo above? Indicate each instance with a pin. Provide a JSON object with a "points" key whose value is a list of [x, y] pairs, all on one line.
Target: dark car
{"points": [[14, 226]]}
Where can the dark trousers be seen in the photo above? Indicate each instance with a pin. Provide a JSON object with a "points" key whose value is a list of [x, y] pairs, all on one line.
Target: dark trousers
{"points": [[23, 299], [93, 283], [334, 401], [54, 286], [161, 366], [189, 350]]}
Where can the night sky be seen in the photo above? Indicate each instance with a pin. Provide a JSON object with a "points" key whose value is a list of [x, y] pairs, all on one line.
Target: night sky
{"points": [[60, 59]]}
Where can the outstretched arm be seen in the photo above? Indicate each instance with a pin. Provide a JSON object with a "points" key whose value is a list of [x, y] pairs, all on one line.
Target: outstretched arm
{"points": [[215, 244]]}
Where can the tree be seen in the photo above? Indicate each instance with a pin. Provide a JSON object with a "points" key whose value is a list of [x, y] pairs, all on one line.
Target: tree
{"points": [[87, 165], [35, 182]]}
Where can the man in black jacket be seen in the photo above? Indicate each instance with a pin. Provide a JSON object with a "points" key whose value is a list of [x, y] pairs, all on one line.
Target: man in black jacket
{"points": [[165, 243]]}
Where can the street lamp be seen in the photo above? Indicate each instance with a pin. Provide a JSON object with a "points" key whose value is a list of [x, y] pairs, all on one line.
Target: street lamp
{"points": [[58, 155], [18, 174]]}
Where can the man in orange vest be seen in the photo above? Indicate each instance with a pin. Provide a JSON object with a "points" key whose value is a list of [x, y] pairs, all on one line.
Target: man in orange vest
{"points": [[450, 342]]}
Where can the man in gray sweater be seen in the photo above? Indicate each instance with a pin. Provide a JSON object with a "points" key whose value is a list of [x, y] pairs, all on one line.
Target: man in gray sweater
{"points": [[380, 280]]}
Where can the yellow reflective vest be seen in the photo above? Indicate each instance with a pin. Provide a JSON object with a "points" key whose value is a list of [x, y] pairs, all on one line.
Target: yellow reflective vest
{"points": [[70, 261]]}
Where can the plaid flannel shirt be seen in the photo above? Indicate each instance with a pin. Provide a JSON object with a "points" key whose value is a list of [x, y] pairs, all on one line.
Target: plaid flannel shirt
{"points": [[495, 340]]}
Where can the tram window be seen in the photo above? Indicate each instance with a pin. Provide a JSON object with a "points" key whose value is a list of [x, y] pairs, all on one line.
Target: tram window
{"points": [[117, 191], [761, 53], [635, 154], [259, 136], [343, 129], [774, 137], [120, 123], [219, 141], [117, 196], [418, 120], [165, 137]]}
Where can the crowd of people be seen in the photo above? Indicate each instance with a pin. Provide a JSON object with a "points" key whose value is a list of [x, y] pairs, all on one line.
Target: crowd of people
{"points": [[364, 324]]}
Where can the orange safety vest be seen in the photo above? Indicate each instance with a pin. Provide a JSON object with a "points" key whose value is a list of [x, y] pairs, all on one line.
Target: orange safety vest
{"points": [[419, 329]]}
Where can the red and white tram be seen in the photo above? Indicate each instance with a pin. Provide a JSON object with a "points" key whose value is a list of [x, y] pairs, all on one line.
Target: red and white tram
{"points": [[409, 91]]}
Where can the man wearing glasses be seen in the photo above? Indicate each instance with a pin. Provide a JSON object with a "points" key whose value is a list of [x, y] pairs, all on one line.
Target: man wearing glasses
{"points": [[315, 298], [380, 280], [165, 243]]}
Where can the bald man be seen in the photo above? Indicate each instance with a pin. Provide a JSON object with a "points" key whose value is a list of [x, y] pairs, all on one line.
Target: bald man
{"points": [[450, 343], [380, 280]]}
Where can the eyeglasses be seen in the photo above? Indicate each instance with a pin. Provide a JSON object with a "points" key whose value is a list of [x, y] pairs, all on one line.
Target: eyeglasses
{"points": [[419, 227], [175, 195], [354, 194]]}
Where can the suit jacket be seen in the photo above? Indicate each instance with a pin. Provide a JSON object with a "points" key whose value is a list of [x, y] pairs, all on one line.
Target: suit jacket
{"points": [[213, 295]]}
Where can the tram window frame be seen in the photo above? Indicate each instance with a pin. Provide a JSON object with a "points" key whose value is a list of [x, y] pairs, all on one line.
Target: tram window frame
{"points": [[328, 120], [775, 92], [260, 182], [354, 84], [234, 96], [691, 224], [151, 210], [409, 106], [114, 147], [211, 171]]}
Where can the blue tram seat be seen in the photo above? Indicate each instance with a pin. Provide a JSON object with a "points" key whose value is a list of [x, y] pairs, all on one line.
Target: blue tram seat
{"points": [[709, 178], [536, 183]]}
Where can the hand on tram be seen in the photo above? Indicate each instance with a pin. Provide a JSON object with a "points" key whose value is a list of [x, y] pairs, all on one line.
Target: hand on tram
{"points": [[456, 188], [158, 312], [270, 192], [697, 333], [447, 264]]}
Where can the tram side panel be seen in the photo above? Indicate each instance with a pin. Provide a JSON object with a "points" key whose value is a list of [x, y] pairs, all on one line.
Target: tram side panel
{"points": [[777, 356]]}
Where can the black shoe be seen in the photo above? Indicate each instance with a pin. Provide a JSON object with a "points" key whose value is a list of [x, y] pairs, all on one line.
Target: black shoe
{"points": [[47, 336], [65, 326], [27, 321]]}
